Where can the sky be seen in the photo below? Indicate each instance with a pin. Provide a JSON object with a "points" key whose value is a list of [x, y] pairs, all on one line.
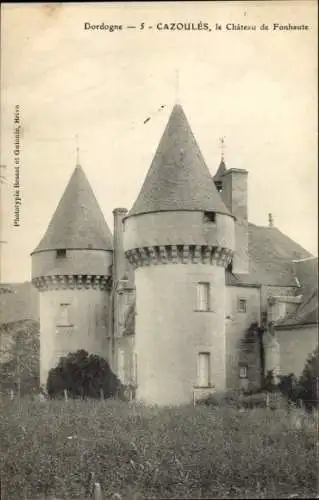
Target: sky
{"points": [[258, 89]]}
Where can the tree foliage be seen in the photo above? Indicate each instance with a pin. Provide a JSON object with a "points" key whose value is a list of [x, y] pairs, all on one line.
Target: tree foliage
{"points": [[20, 354], [306, 388], [84, 376], [309, 381]]}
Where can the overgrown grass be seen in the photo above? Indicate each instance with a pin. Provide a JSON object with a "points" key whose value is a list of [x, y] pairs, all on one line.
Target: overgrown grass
{"points": [[139, 452]]}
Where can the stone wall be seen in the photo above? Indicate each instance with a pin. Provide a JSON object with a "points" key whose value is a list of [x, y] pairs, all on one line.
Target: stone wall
{"points": [[296, 343]]}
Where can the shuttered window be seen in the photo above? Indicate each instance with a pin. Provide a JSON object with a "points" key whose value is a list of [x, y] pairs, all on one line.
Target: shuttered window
{"points": [[203, 369], [63, 317], [203, 296]]}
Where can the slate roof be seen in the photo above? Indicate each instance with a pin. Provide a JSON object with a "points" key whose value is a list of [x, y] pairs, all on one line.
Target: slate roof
{"points": [[271, 255], [220, 171], [178, 178], [78, 222], [307, 313], [306, 271]]}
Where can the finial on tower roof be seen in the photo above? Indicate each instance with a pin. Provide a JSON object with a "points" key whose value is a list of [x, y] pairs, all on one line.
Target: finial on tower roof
{"points": [[222, 147], [77, 151]]}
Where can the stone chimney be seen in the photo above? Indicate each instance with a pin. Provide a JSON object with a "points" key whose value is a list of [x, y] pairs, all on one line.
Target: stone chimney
{"points": [[234, 194], [119, 260], [270, 220]]}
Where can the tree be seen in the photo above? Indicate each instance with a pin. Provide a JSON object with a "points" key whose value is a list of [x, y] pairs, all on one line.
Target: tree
{"points": [[84, 376], [306, 388], [20, 354], [309, 381], [289, 386]]}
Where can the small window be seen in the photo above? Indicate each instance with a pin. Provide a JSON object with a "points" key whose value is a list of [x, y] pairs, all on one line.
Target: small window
{"points": [[61, 253], [90, 246], [243, 371], [203, 369], [242, 305], [203, 302], [281, 310], [63, 315], [210, 217]]}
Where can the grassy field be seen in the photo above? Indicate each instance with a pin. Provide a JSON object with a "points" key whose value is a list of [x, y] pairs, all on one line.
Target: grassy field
{"points": [[137, 452]]}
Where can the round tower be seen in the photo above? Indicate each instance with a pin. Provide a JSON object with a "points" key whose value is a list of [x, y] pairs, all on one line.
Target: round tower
{"points": [[179, 236], [71, 268]]}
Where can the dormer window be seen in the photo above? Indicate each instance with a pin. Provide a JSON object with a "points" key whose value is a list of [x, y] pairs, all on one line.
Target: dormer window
{"points": [[210, 217], [61, 253]]}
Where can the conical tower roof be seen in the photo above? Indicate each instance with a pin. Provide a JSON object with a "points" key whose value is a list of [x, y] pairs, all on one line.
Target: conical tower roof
{"points": [[78, 222], [178, 178]]}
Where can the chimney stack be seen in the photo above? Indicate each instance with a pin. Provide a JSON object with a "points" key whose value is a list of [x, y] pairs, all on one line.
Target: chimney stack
{"points": [[270, 220], [119, 266], [234, 194]]}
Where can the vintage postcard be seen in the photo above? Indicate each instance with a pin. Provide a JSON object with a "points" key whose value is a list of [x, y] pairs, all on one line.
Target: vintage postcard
{"points": [[158, 250]]}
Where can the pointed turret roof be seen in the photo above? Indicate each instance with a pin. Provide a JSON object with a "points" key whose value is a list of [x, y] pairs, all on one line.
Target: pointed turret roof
{"points": [[178, 178], [220, 171], [78, 222]]}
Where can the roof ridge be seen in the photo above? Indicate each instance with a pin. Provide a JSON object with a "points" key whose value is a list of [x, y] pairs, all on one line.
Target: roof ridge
{"points": [[305, 259]]}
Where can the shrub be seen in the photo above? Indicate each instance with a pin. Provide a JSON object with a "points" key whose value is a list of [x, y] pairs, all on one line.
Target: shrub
{"points": [[306, 388], [19, 357], [238, 399], [309, 381], [83, 376], [289, 387], [219, 398]]}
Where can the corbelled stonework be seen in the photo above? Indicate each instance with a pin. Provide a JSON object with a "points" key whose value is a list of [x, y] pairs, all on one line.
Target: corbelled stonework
{"points": [[176, 254], [71, 282]]}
